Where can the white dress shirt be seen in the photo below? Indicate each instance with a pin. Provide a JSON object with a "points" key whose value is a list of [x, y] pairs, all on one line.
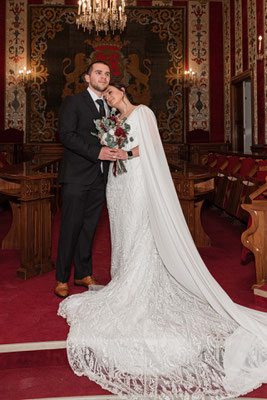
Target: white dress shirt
{"points": [[95, 97]]}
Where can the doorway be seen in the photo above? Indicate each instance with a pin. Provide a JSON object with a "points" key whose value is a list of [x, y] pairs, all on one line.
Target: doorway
{"points": [[242, 112]]}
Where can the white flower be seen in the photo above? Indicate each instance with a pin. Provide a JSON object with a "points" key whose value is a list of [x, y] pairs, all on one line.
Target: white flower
{"points": [[104, 138]]}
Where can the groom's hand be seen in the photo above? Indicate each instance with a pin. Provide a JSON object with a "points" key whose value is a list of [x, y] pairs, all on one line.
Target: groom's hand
{"points": [[107, 153]]}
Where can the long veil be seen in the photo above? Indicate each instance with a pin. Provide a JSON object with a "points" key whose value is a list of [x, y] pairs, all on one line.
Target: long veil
{"points": [[246, 349]]}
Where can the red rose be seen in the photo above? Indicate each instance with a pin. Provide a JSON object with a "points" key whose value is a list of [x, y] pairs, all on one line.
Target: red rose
{"points": [[119, 132]]}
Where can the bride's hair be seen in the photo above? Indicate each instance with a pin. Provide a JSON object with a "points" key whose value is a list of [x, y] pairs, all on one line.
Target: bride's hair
{"points": [[122, 88]]}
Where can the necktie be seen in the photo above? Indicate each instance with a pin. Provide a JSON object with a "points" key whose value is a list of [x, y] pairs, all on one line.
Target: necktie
{"points": [[102, 111]]}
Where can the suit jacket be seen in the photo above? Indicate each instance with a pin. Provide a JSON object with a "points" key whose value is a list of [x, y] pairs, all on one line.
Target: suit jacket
{"points": [[80, 163]]}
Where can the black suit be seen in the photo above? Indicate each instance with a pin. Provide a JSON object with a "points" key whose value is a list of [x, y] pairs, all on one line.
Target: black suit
{"points": [[83, 185]]}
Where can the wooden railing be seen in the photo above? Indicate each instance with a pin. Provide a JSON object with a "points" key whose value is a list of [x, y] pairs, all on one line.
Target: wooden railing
{"points": [[51, 167]]}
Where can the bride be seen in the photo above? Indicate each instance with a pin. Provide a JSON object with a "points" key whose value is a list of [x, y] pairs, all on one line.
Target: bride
{"points": [[163, 328]]}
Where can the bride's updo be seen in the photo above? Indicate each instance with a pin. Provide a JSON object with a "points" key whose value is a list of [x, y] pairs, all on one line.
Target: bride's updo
{"points": [[122, 88]]}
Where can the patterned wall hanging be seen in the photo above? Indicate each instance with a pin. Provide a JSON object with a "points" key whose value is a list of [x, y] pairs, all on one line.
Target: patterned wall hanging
{"points": [[16, 59], [146, 57], [198, 57], [238, 37], [252, 51]]}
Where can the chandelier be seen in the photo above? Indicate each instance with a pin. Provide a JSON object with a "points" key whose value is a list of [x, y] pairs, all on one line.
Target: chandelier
{"points": [[101, 15]]}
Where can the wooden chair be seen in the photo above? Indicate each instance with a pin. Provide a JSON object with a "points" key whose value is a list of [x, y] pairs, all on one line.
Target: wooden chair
{"points": [[3, 163], [236, 183], [250, 186], [3, 160], [222, 179], [219, 166], [221, 163], [209, 160], [254, 239], [11, 142]]}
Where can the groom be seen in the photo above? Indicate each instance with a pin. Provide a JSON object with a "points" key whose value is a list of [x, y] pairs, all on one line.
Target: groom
{"points": [[83, 175]]}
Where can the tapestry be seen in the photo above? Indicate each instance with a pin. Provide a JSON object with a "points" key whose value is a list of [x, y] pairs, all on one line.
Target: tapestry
{"points": [[198, 60], [16, 59], [238, 38], [252, 51], [147, 57]]}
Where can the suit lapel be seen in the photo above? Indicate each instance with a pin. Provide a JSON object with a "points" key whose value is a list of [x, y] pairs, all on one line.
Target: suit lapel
{"points": [[91, 104]]}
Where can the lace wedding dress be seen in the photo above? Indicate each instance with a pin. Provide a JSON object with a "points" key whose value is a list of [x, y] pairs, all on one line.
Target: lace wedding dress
{"points": [[162, 328]]}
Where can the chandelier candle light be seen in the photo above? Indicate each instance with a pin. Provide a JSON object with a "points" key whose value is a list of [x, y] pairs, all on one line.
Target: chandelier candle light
{"points": [[101, 15], [25, 77], [260, 53], [188, 78]]}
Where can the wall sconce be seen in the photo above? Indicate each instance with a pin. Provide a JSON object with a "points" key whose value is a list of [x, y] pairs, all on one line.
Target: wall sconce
{"points": [[260, 54], [25, 77], [189, 78]]}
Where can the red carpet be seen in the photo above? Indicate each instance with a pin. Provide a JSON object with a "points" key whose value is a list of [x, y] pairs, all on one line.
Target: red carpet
{"points": [[28, 308]]}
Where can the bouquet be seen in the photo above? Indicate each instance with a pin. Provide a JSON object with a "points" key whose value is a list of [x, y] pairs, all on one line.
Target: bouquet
{"points": [[113, 132]]}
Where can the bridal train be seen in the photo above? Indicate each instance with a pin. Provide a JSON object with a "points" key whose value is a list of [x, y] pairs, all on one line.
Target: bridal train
{"points": [[162, 328]]}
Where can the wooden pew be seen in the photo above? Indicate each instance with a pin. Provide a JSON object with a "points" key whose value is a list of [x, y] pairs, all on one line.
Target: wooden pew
{"points": [[255, 237], [232, 167]]}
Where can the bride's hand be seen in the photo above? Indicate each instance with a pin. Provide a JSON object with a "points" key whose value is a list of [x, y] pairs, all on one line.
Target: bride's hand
{"points": [[107, 153], [122, 155]]}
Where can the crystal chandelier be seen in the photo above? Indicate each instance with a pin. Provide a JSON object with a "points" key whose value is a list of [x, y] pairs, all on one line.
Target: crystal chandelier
{"points": [[101, 15]]}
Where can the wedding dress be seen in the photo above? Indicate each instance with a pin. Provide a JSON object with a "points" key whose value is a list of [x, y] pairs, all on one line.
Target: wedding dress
{"points": [[162, 328]]}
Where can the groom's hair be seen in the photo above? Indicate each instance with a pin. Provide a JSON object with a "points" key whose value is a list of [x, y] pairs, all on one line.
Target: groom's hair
{"points": [[90, 66]]}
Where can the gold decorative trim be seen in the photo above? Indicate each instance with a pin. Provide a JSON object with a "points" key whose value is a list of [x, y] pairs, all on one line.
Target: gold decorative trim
{"points": [[238, 37], [198, 59], [252, 51], [15, 59]]}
